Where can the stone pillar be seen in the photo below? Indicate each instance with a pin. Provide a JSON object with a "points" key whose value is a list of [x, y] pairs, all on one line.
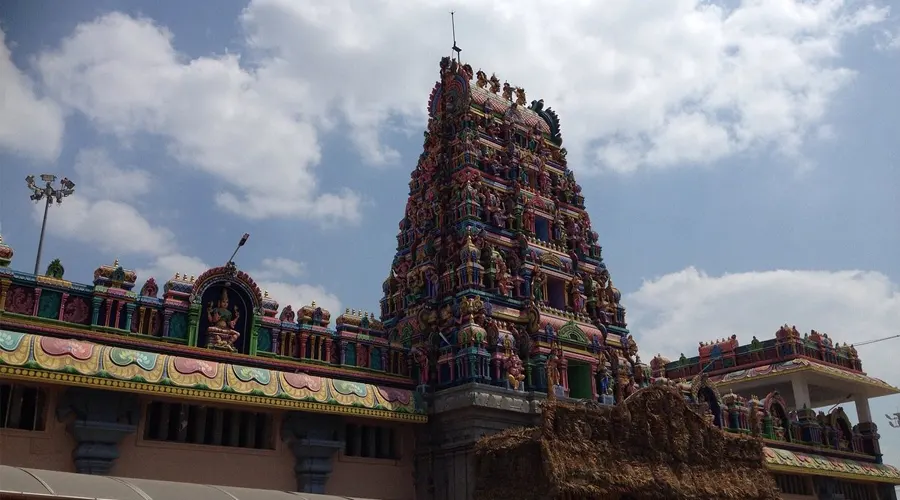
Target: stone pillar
{"points": [[314, 439], [129, 316], [62, 306], [119, 306], [98, 420], [887, 492], [95, 310], [870, 439], [303, 337], [445, 464], [4, 289], [167, 318], [37, 301], [863, 413], [801, 392], [826, 488], [193, 333]]}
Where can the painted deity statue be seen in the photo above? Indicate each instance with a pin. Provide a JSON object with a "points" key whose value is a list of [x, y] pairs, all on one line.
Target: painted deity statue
{"points": [[220, 332], [537, 286]]}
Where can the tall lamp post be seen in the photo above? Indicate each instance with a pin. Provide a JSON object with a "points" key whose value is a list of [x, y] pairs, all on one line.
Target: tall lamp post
{"points": [[51, 193]]}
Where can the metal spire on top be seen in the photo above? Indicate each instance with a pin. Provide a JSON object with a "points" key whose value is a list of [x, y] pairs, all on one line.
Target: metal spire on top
{"points": [[453, 26]]}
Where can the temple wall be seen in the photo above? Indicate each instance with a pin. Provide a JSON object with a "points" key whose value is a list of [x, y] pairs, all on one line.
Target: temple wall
{"points": [[266, 469], [47, 449], [462, 415], [377, 478]]}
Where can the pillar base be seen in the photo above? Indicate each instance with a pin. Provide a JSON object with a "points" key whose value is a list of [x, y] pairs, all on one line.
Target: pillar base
{"points": [[101, 420], [98, 445], [314, 463], [314, 439]]}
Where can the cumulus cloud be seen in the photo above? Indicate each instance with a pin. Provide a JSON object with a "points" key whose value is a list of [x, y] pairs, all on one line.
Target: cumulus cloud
{"points": [[639, 85], [657, 84], [112, 226], [278, 276], [299, 295], [164, 267], [673, 313], [30, 125], [889, 40], [251, 132], [279, 268], [99, 177]]}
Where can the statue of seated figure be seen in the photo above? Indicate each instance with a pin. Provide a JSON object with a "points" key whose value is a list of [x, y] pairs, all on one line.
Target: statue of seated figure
{"points": [[220, 333]]}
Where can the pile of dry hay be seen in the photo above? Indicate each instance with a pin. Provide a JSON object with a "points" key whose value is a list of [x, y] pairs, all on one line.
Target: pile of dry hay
{"points": [[653, 446]]}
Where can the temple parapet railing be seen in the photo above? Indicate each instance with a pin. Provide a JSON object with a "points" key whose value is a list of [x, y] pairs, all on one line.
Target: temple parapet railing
{"points": [[726, 355], [801, 430], [221, 315]]}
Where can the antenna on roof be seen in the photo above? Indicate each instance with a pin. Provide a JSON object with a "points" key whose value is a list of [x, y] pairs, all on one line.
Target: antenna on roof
{"points": [[453, 25]]}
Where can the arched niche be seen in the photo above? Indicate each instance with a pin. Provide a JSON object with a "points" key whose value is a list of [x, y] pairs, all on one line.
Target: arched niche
{"points": [[235, 301], [571, 332], [227, 289], [703, 392], [776, 407], [838, 419]]}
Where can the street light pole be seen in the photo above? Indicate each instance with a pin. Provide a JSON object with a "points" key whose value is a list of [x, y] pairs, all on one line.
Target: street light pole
{"points": [[51, 193]]}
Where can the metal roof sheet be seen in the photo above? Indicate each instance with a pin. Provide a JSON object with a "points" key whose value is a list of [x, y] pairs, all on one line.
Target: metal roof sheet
{"points": [[17, 480]]}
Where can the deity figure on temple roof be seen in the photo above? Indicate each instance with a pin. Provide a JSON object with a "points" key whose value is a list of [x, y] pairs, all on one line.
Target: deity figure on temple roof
{"points": [[494, 84], [537, 286], [221, 333]]}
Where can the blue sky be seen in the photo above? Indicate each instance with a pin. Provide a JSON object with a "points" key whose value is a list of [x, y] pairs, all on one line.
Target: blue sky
{"points": [[739, 159]]}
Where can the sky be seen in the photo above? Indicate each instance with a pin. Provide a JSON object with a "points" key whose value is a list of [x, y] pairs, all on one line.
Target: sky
{"points": [[739, 159]]}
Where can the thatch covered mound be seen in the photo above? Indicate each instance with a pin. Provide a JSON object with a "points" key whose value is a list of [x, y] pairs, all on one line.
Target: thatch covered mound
{"points": [[653, 446]]}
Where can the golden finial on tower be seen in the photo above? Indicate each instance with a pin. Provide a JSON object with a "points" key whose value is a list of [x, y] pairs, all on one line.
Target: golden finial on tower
{"points": [[177, 276]]}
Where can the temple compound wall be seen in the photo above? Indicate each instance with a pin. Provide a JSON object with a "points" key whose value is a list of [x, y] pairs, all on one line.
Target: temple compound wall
{"points": [[113, 436]]}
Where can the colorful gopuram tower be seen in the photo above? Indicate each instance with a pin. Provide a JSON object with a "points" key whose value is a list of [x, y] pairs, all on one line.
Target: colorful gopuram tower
{"points": [[497, 272]]}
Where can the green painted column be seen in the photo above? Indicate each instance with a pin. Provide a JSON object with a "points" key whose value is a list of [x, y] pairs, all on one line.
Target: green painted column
{"points": [[194, 325], [254, 334]]}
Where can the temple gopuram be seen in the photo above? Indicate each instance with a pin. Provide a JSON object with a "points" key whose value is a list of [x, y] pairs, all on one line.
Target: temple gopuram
{"points": [[500, 364]]}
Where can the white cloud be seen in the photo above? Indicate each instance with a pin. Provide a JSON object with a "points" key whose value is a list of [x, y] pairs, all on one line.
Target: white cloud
{"points": [[119, 228], [657, 83], [299, 295], [29, 125], [252, 132], [889, 40], [277, 276], [99, 177], [673, 313], [163, 267], [112, 226], [280, 267]]}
